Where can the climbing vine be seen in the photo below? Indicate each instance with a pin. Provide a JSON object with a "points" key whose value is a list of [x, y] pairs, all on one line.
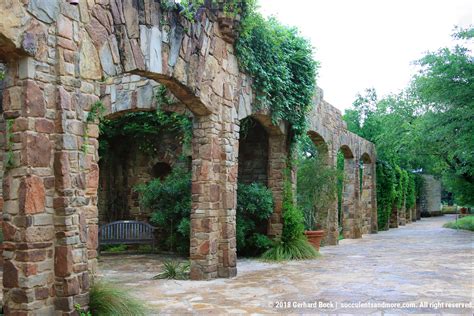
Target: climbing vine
{"points": [[386, 193], [282, 67], [189, 8]]}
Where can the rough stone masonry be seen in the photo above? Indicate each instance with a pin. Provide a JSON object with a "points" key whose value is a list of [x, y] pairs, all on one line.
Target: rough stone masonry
{"points": [[60, 59]]}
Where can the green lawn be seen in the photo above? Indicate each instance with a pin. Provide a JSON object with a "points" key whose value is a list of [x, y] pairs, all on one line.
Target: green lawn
{"points": [[466, 223]]}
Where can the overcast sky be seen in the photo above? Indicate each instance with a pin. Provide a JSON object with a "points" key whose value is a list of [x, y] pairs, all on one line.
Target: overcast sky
{"points": [[370, 43]]}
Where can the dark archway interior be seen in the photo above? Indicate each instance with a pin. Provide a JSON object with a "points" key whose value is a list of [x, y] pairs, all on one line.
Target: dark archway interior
{"points": [[126, 162], [161, 170], [253, 152]]}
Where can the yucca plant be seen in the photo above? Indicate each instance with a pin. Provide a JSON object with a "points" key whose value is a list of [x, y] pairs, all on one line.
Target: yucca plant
{"points": [[107, 299], [174, 270]]}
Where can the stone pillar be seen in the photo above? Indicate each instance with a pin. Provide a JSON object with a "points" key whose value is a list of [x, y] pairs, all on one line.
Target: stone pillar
{"points": [[28, 272], [373, 198], [402, 216], [227, 218], [277, 164], [366, 198], [75, 201], [213, 249], [332, 226], [394, 217], [350, 220]]}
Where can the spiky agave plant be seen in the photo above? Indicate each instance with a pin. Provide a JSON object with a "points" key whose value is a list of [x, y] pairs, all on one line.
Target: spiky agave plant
{"points": [[174, 270]]}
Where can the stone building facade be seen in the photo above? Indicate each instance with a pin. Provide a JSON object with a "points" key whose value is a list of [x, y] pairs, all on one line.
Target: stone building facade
{"points": [[60, 60]]}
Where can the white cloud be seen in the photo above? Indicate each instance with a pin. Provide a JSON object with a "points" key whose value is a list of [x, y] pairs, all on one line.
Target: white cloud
{"points": [[370, 43]]}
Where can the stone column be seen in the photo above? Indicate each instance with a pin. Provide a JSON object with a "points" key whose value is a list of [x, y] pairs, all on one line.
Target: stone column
{"points": [[373, 198], [366, 198], [402, 217], [212, 251], [227, 218], [277, 164], [332, 227], [28, 271], [350, 221], [394, 217]]}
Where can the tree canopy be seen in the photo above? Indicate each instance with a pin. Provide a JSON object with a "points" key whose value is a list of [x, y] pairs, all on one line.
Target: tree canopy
{"points": [[428, 127]]}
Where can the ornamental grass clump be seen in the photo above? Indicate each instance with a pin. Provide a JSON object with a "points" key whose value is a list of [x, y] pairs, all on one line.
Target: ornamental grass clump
{"points": [[292, 245], [107, 299]]}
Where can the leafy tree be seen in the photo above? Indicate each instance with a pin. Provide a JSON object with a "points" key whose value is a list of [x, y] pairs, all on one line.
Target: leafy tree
{"points": [[445, 85]]}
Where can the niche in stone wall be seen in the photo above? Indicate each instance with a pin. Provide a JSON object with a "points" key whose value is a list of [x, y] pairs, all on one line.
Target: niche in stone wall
{"points": [[253, 152]]}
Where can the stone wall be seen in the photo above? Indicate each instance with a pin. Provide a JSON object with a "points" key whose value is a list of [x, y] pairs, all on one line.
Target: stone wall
{"points": [[61, 60], [329, 132], [430, 200]]}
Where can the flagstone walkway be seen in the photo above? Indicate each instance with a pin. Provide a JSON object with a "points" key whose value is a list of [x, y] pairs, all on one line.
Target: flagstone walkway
{"points": [[421, 266]]}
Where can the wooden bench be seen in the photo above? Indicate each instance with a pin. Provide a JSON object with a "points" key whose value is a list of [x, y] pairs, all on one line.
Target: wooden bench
{"points": [[127, 232]]}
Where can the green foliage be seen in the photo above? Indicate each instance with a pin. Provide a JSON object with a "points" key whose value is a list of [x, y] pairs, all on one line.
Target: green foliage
{"points": [[429, 126], [81, 311], [174, 270], [115, 248], [170, 203], [144, 129], [189, 8], [282, 68], [386, 193], [254, 208], [2, 75], [293, 245], [465, 223], [316, 188], [107, 299], [445, 84], [411, 192]]}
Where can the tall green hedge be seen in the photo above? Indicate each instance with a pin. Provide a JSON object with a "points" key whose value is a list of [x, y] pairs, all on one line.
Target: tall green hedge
{"points": [[386, 193]]}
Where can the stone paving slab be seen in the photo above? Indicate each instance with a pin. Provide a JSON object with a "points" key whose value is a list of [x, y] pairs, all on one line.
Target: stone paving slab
{"points": [[421, 264]]}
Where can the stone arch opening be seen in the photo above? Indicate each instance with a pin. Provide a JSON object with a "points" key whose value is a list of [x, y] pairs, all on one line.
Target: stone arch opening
{"points": [[316, 185], [253, 159], [253, 152], [320, 144]]}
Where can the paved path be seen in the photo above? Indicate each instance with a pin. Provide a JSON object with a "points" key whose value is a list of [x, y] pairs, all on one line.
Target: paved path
{"points": [[415, 264]]}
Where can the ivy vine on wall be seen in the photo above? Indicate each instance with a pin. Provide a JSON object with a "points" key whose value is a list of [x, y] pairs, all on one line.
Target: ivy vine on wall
{"points": [[282, 66]]}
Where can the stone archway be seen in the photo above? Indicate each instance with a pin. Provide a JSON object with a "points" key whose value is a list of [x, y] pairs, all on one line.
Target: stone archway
{"points": [[65, 54]]}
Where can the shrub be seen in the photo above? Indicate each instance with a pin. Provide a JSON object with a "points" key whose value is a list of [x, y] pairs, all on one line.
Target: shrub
{"points": [[114, 248], [170, 203], [174, 270], [107, 299], [254, 208], [292, 245], [465, 223], [316, 188]]}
